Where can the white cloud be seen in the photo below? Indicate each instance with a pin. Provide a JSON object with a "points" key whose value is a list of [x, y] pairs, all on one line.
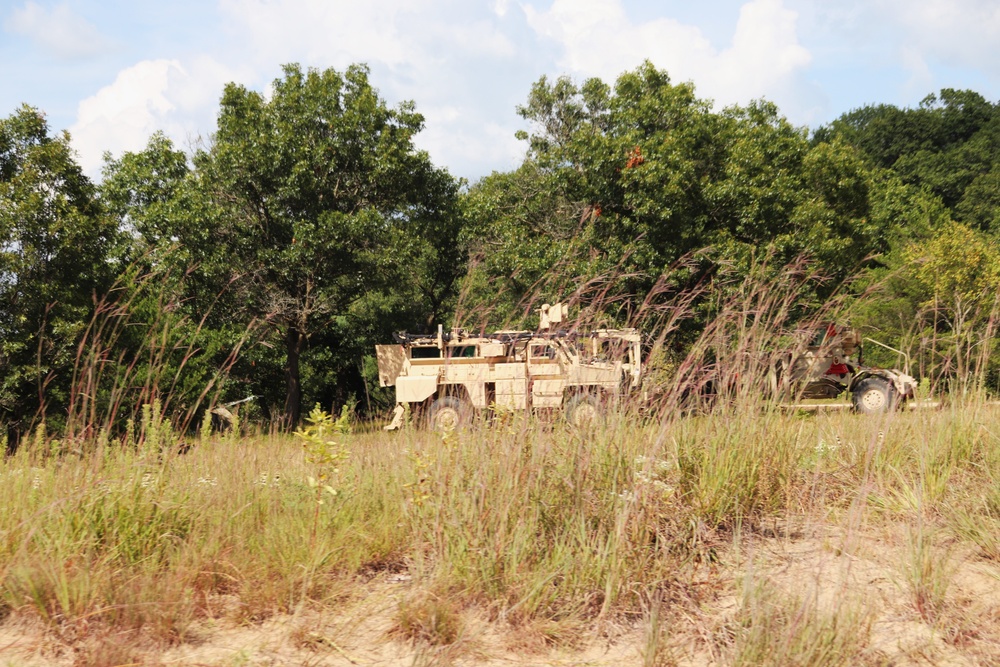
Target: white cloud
{"points": [[397, 33], [439, 53], [921, 77], [283, 30], [467, 64], [598, 39], [463, 142], [960, 32], [898, 51], [766, 56], [151, 95], [57, 30], [477, 37], [436, 52]]}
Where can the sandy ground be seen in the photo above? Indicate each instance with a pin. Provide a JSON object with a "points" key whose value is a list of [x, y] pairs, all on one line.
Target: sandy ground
{"points": [[832, 567]]}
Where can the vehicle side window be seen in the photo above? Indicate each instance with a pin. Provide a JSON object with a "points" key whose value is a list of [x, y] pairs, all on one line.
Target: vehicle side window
{"points": [[425, 353], [543, 352], [606, 350]]}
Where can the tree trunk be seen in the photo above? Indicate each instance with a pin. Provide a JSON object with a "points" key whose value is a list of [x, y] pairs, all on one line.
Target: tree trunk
{"points": [[293, 395]]}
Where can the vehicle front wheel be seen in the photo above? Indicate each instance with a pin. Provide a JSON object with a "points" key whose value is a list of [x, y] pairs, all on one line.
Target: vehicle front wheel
{"points": [[873, 396], [583, 410], [448, 414]]}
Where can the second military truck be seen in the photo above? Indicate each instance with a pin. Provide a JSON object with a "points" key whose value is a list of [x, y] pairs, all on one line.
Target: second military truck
{"points": [[831, 364]]}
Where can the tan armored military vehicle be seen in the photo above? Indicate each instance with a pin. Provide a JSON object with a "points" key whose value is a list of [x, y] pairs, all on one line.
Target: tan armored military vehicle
{"points": [[447, 378], [832, 364]]}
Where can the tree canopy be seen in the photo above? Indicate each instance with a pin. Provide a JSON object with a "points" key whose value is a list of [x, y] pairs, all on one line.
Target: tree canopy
{"points": [[58, 252], [309, 227], [626, 180]]}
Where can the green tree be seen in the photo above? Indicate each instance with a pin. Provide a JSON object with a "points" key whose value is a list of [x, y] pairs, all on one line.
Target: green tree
{"points": [[955, 277], [143, 191], [959, 271], [175, 326], [980, 204], [611, 192], [57, 256], [621, 182], [321, 194], [948, 144]]}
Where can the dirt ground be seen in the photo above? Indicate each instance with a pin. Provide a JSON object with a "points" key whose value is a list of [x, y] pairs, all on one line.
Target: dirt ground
{"points": [[865, 569]]}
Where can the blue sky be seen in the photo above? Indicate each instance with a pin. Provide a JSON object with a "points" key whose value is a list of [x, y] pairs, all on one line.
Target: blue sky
{"points": [[113, 72]]}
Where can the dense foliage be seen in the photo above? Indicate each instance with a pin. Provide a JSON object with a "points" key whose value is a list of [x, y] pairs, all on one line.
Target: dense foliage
{"points": [[57, 253], [624, 182], [309, 227]]}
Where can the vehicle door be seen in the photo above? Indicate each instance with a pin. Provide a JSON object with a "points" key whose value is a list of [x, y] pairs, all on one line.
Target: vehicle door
{"points": [[546, 373]]}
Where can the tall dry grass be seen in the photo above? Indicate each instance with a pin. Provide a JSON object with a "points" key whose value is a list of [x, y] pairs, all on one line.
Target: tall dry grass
{"points": [[535, 523], [644, 518], [144, 360]]}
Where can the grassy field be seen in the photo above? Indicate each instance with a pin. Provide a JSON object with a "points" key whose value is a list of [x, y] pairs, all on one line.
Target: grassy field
{"points": [[747, 537]]}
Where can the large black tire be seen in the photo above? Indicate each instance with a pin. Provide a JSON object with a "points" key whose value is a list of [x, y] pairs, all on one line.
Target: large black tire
{"points": [[448, 414], [874, 396], [584, 410]]}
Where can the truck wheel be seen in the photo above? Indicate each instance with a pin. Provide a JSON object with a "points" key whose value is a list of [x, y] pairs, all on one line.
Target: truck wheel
{"points": [[583, 410], [874, 396], [447, 414]]}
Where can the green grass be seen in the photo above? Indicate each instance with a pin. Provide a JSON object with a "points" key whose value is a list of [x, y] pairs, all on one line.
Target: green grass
{"points": [[531, 522], [774, 628]]}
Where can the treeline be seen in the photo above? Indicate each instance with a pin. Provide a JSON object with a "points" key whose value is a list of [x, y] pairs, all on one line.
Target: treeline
{"points": [[308, 228]]}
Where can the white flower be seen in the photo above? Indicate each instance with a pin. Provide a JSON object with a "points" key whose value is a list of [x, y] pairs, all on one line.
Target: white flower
{"points": [[823, 448], [663, 487], [268, 480]]}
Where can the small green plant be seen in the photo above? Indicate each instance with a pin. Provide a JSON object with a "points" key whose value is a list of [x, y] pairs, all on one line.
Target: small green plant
{"points": [[206, 426], [419, 487], [40, 437], [324, 455], [155, 431], [128, 441], [505, 418]]}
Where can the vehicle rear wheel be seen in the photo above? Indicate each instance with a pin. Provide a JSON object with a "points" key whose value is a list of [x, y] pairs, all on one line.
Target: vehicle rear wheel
{"points": [[584, 410], [873, 396], [448, 413]]}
